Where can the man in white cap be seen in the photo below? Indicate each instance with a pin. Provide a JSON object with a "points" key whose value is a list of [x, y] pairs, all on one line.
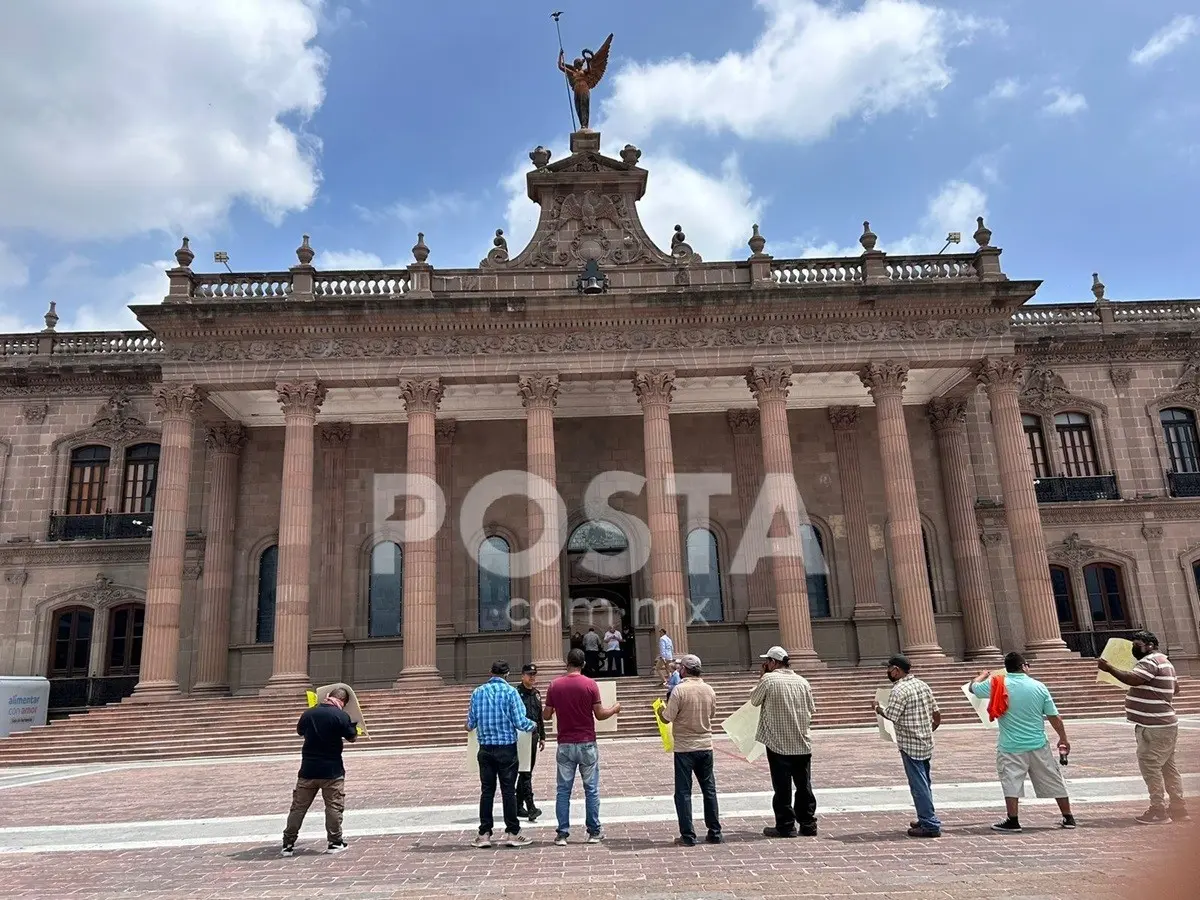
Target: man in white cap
{"points": [[783, 728], [690, 710]]}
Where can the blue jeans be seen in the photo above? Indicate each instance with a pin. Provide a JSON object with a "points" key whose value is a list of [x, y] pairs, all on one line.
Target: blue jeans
{"points": [[921, 787], [586, 759], [700, 764]]}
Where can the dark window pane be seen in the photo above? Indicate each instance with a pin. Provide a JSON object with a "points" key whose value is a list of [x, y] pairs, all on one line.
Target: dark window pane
{"points": [[385, 594], [495, 586], [1183, 444], [141, 476], [1060, 580], [704, 577], [1037, 447], [928, 566], [816, 572], [85, 489], [268, 569], [1078, 446], [1106, 593]]}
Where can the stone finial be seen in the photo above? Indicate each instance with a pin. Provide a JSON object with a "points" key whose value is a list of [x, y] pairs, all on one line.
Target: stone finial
{"points": [[420, 252], [983, 234], [184, 255], [1097, 287], [869, 238], [499, 242], [51, 318], [630, 155], [678, 237], [304, 252], [540, 157], [757, 242]]}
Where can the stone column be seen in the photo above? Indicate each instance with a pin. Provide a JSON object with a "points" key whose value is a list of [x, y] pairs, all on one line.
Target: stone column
{"points": [[225, 441], [747, 461], [654, 390], [328, 628], [444, 431], [421, 400], [770, 387], [301, 400], [948, 417], [539, 396], [844, 420], [910, 583], [1001, 377], [178, 405]]}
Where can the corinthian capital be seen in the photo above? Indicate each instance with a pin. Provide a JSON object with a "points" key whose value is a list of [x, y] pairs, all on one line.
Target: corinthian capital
{"points": [[334, 435], [178, 401], [843, 418], [423, 395], [444, 431], [769, 382], [225, 437], [742, 421], [883, 379], [538, 391], [300, 397], [655, 387], [999, 373], [947, 414]]}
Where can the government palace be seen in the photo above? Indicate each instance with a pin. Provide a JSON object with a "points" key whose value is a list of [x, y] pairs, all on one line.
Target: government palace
{"points": [[284, 480]]}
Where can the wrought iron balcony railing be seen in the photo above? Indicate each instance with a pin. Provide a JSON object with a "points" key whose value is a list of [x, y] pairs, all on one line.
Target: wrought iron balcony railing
{"points": [[106, 527], [79, 693], [1184, 484], [1063, 489], [1091, 643]]}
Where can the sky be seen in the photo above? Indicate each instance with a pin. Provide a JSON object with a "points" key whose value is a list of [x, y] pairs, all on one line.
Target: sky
{"points": [[1072, 126]]}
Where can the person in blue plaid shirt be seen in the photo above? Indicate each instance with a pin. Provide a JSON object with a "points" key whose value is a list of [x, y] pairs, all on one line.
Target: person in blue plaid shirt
{"points": [[497, 713]]}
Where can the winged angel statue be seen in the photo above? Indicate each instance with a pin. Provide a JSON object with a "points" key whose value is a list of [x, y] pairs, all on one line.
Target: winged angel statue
{"points": [[584, 75]]}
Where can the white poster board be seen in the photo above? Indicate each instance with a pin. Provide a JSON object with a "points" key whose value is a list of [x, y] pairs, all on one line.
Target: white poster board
{"points": [[1119, 652], [524, 751], [352, 709], [887, 728], [742, 728], [24, 703], [980, 706], [608, 696]]}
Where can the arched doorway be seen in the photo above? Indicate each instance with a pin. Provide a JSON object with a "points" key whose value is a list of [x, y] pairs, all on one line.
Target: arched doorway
{"points": [[600, 595]]}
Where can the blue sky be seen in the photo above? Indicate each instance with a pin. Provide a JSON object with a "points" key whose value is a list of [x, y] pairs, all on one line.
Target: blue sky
{"points": [[1073, 126]]}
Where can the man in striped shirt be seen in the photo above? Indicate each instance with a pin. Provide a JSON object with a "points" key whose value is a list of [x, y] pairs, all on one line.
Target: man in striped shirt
{"points": [[1149, 705]]}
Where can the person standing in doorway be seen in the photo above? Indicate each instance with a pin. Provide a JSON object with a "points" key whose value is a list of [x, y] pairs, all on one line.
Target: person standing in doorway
{"points": [[629, 664], [690, 711], [1150, 706], [575, 699], [612, 649], [1021, 706], [591, 652], [532, 698], [914, 712], [666, 653], [496, 715], [673, 678], [324, 727], [783, 728]]}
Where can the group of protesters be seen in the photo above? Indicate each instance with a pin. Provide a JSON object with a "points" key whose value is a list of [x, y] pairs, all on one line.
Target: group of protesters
{"points": [[1019, 704]]}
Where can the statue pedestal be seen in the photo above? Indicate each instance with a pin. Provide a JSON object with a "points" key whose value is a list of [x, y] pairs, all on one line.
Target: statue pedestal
{"points": [[585, 140]]}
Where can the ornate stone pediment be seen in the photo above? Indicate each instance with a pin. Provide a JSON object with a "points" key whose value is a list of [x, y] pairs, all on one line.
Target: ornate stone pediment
{"points": [[1044, 389], [1074, 550], [115, 422]]}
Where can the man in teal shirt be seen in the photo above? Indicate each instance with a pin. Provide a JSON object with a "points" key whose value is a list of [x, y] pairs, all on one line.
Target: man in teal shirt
{"points": [[1023, 749]]}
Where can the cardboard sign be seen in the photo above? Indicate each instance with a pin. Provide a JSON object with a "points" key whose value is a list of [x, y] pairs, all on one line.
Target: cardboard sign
{"points": [[352, 709], [887, 728], [1119, 653], [742, 728]]}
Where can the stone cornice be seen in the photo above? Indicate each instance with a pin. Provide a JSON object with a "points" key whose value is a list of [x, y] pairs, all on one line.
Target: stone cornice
{"points": [[28, 554], [1101, 350], [97, 382], [1101, 512]]}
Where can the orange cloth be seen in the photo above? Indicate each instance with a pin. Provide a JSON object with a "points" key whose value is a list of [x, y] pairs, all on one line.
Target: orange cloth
{"points": [[998, 703]]}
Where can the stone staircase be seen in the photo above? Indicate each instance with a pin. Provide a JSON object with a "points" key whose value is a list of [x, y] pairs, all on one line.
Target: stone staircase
{"points": [[239, 726]]}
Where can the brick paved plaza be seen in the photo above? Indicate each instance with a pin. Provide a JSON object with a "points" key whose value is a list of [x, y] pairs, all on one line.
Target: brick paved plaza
{"points": [[210, 829]]}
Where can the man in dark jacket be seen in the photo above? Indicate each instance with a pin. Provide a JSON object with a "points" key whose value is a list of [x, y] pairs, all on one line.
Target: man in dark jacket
{"points": [[532, 698], [323, 728]]}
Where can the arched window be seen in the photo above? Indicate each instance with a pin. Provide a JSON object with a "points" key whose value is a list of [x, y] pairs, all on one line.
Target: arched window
{"points": [[1064, 597], [1078, 446], [1183, 444], [597, 535], [1106, 594], [385, 594], [929, 566], [125, 626], [71, 642], [141, 478], [85, 489], [1036, 440], [816, 572], [268, 573], [704, 577], [495, 585]]}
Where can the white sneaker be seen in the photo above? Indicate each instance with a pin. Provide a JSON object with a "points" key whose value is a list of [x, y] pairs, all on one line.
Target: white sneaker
{"points": [[560, 840], [482, 841], [596, 838], [516, 840]]}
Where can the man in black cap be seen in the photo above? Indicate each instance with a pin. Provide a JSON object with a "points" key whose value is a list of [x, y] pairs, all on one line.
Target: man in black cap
{"points": [[914, 714], [532, 699]]}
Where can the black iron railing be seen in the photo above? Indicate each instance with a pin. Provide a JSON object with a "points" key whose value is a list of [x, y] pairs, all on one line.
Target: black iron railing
{"points": [[1184, 484], [79, 693], [1061, 489], [1091, 643], [106, 527]]}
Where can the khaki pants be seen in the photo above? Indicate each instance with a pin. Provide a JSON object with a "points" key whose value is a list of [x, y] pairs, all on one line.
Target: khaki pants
{"points": [[1156, 759], [333, 792]]}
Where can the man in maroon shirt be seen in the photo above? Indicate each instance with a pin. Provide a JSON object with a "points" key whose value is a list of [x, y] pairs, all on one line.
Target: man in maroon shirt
{"points": [[575, 699]]}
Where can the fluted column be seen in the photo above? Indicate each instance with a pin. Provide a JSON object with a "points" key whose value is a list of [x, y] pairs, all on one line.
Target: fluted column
{"points": [[770, 387], [948, 418], [747, 462], [910, 583], [225, 441], [327, 625], [301, 400], [539, 396], [1001, 377], [654, 390], [444, 431], [178, 405], [844, 420], [421, 400]]}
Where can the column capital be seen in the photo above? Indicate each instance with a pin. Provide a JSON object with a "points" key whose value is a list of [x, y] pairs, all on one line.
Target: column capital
{"points": [[538, 391], [742, 421], [422, 395], [883, 379], [999, 373], [226, 437], [947, 414], [654, 387], [178, 401], [444, 431], [334, 435], [769, 382], [300, 397], [843, 418]]}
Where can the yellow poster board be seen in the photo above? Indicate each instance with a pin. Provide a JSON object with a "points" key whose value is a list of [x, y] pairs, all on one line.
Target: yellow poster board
{"points": [[1118, 652], [887, 728], [664, 728], [742, 728], [352, 709]]}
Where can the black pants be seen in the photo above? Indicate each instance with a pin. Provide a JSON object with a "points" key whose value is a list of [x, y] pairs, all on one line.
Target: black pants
{"points": [[614, 661], [592, 661], [785, 772], [525, 782], [498, 762], [700, 763]]}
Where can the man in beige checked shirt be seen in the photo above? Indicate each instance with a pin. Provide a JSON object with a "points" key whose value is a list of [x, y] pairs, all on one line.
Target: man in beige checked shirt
{"points": [[914, 712], [783, 728]]}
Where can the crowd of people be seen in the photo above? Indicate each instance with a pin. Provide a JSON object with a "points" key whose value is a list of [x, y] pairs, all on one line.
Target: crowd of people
{"points": [[1018, 703]]}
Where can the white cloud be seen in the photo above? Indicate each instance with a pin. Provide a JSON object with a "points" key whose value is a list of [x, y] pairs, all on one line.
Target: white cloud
{"points": [[108, 296], [1166, 40], [1005, 89], [1064, 103], [347, 259], [121, 118], [812, 67], [13, 271]]}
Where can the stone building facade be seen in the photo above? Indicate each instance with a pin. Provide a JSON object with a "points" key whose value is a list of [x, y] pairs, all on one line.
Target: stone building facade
{"points": [[196, 508]]}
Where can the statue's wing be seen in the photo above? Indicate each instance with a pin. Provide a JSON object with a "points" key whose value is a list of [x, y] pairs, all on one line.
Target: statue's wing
{"points": [[598, 63]]}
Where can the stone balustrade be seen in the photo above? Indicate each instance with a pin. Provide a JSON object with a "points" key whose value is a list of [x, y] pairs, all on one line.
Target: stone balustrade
{"points": [[381, 283], [239, 286], [800, 272]]}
